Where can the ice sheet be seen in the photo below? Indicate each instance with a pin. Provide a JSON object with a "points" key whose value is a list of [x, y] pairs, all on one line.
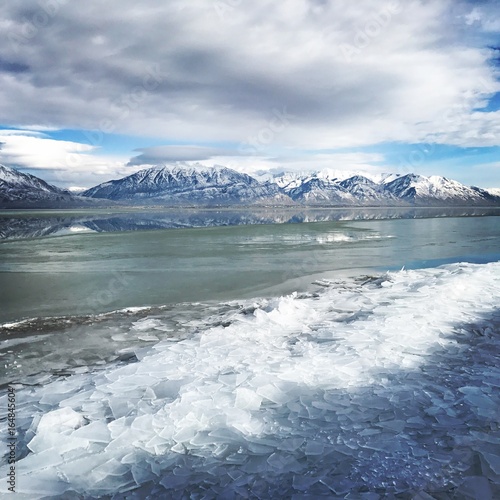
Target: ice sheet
{"points": [[370, 386]]}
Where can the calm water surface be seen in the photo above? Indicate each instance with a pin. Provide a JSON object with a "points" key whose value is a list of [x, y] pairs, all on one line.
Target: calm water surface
{"points": [[88, 273]]}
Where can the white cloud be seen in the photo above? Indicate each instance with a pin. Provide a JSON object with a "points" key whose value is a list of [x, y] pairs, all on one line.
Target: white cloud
{"points": [[63, 162], [38, 152], [359, 162], [473, 16], [349, 74], [219, 76]]}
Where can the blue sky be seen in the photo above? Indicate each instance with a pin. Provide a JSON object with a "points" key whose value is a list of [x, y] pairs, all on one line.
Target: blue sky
{"points": [[93, 91]]}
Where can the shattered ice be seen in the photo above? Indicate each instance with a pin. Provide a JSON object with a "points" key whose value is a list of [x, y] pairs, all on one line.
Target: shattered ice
{"points": [[385, 387]]}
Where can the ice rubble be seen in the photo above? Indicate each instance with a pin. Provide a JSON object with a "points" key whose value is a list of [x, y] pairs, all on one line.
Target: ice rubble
{"points": [[78, 344], [385, 387]]}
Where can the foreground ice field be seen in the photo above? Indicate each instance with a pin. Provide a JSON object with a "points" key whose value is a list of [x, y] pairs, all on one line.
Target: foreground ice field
{"points": [[370, 389]]}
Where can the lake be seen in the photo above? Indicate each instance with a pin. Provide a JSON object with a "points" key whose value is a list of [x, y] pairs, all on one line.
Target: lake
{"points": [[217, 353], [88, 272]]}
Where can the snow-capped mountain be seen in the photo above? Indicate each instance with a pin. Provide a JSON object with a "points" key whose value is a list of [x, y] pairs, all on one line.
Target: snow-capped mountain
{"points": [[334, 188], [20, 190], [328, 186], [493, 191], [364, 189], [182, 185], [293, 179], [189, 185], [209, 186], [435, 189], [319, 191], [11, 180], [17, 188]]}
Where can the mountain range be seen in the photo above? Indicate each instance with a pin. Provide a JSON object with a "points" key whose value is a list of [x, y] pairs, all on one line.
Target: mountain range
{"points": [[20, 190], [187, 186], [220, 186], [200, 185]]}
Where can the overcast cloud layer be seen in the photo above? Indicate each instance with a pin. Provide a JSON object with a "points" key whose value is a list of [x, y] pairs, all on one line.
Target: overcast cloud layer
{"points": [[245, 81]]}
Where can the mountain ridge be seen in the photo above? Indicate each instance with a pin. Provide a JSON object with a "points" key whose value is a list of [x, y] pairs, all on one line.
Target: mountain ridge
{"points": [[199, 185], [177, 185], [390, 190], [21, 190]]}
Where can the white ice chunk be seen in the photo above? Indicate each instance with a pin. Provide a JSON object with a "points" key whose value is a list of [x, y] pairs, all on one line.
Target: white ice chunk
{"points": [[274, 394], [47, 458], [146, 324], [61, 420], [97, 432], [314, 448], [247, 399], [48, 440], [36, 486]]}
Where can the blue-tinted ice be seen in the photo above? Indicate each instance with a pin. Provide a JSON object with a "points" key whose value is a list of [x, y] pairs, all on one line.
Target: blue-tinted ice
{"points": [[382, 388]]}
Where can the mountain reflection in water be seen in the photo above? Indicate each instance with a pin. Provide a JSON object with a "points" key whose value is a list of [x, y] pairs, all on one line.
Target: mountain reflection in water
{"points": [[36, 224]]}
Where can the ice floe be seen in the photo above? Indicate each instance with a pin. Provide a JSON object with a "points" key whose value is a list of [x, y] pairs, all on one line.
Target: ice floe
{"points": [[369, 388]]}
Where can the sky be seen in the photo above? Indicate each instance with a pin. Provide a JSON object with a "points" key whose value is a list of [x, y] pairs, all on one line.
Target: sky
{"points": [[92, 91]]}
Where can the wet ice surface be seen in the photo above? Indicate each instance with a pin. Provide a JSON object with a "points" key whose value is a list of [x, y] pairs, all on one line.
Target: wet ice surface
{"points": [[79, 344], [383, 388]]}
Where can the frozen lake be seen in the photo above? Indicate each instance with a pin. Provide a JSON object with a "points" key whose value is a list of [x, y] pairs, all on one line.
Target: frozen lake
{"points": [[254, 361]]}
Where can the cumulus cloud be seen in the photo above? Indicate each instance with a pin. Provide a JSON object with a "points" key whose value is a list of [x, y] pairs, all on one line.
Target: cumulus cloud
{"points": [[22, 148], [57, 161]]}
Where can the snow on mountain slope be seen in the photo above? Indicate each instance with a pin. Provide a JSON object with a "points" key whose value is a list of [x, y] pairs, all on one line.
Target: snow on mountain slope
{"points": [[330, 175], [20, 190], [11, 179], [220, 185], [335, 175], [418, 188], [364, 189], [201, 185], [379, 189], [319, 191], [285, 180], [17, 188], [193, 184], [493, 191]]}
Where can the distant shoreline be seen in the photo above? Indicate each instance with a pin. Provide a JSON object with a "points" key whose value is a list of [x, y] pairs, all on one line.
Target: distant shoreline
{"points": [[242, 208]]}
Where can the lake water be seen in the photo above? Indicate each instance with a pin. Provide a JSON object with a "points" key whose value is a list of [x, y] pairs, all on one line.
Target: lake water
{"points": [[276, 359], [88, 273]]}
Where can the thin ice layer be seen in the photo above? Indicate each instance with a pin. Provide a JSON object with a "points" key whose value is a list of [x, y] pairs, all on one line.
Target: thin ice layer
{"points": [[390, 385]]}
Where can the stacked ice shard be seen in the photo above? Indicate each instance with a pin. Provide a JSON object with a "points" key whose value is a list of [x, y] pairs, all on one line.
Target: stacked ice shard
{"points": [[384, 387]]}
